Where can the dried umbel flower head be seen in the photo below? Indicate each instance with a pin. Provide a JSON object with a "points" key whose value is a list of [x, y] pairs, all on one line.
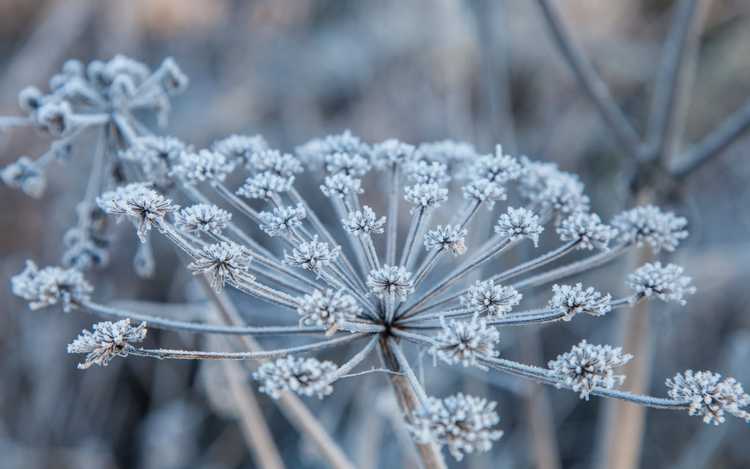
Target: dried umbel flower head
{"points": [[588, 366], [241, 148], [424, 196], [303, 376], [391, 153], [575, 299], [587, 230], [449, 237], [50, 286], [202, 218], [26, 175], [328, 308], [204, 165], [462, 423], [282, 220], [265, 185], [156, 156], [341, 185], [710, 396], [363, 222], [497, 168], [464, 342], [548, 188], [108, 340], [143, 205], [648, 224], [665, 282], [488, 299], [390, 281], [519, 223], [312, 255], [273, 161], [222, 262]]}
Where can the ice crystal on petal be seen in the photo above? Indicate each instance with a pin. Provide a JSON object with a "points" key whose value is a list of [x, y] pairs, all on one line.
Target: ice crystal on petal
{"points": [[665, 282], [265, 185], [390, 281], [364, 222], [648, 224], [328, 308], [240, 148], [144, 205], [587, 229], [222, 262], [465, 342], [462, 423], [452, 238], [303, 376], [282, 220], [588, 366], [518, 223], [205, 165], [486, 298], [575, 299], [709, 395], [312, 255], [202, 218], [107, 341], [50, 286]]}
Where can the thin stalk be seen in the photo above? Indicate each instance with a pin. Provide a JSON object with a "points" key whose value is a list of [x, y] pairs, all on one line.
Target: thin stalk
{"points": [[403, 363], [573, 268], [236, 202], [204, 355], [290, 405], [347, 367], [394, 191], [174, 325], [415, 227]]}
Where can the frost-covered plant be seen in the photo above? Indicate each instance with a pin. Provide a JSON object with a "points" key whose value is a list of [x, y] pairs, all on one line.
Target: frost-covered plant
{"points": [[371, 283]]}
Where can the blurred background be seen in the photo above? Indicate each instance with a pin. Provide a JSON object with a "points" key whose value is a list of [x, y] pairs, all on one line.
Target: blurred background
{"points": [[484, 72]]}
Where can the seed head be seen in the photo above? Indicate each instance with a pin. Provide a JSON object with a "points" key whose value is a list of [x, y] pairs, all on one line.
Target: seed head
{"points": [[222, 262], [587, 229], [265, 185], [282, 220], [465, 342], [519, 223], [328, 308], [353, 165], [424, 172], [25, 174], [709, 395], [588, 366], [194, 168], [202, 218], [107, 341], [648, 224], [488, 299], [390, 281], [50, 286], [240, 148], [665, 282], [462, 423], [391, 153], [497, 168], [425, 196], [304, 376], [341, 185], [484, 190], [312, 255], [575, 299], [143, 205], [452, 238], [364, 222]]}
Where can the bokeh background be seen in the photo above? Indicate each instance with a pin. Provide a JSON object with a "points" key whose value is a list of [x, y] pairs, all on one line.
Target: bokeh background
{"points": [[421, 70]]}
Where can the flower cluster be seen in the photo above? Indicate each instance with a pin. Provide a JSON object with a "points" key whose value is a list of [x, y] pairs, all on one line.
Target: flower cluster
{"points": [[108, 340], [709, 395], [50, 286], [665, 282], [304, 376], [465, 342], [488, 299], [572, 300], [462, 423], [588, 366]]}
